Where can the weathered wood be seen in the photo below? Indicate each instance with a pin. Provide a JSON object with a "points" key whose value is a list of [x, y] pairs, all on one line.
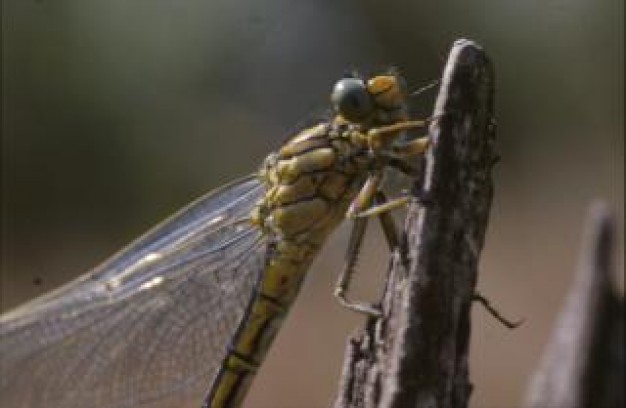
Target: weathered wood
{"points": [[416, 355], [583, 363]]}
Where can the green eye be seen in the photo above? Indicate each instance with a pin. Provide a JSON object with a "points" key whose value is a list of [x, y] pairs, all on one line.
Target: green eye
{"points": [[351, 99]]}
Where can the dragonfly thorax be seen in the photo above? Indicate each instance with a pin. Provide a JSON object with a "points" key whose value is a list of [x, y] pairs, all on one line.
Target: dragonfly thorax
{"points": [[311, 181]]}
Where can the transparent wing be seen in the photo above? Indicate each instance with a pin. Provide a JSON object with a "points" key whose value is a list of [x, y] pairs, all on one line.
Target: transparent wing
{"points": [[149, 327]]}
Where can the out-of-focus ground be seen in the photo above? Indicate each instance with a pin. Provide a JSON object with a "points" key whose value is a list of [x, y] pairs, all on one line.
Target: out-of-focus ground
{"points": [[116, 113]]}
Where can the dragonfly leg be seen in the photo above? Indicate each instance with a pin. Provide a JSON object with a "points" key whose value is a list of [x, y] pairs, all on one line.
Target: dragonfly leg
{"points": [[398, 156], [345, 277], [381, 136], [392, 235], [356, 239], [394, 239], [360, 208], [477, 297], [400, 164], [366, 195], [388, 225], [413, 148], [385, 207]]}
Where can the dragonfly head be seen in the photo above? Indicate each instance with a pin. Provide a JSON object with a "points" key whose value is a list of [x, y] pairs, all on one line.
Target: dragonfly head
{"points": [[377, 101]]}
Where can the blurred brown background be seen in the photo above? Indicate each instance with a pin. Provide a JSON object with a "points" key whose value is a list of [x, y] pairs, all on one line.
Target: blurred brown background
{"points": [[116, 113]]}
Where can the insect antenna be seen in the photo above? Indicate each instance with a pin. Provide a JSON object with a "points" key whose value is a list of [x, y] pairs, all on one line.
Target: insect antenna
{"points": [[425, 88]]}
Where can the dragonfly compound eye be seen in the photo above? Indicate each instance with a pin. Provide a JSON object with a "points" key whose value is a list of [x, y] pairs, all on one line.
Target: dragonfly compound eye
{"points": [[351, 99]]}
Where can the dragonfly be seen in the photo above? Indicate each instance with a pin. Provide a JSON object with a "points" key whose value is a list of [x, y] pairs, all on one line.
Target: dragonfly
{"points": [[184, 315]]}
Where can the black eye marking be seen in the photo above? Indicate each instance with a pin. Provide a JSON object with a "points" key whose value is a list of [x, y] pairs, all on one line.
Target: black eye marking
{"points": [[351, 99]]}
